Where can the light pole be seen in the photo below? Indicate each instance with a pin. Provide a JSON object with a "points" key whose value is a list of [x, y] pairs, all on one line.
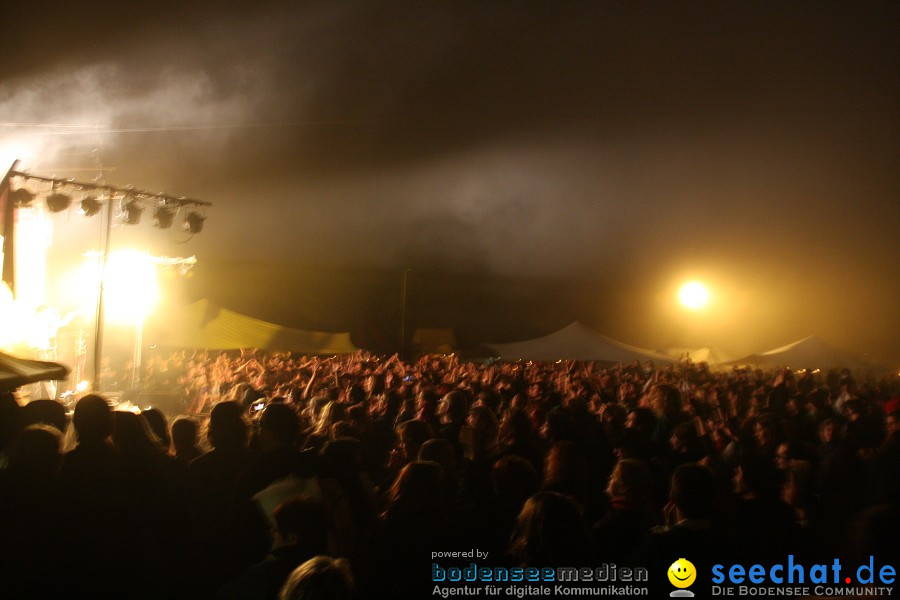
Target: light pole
{"points": [[98, 326], [403, 314]]}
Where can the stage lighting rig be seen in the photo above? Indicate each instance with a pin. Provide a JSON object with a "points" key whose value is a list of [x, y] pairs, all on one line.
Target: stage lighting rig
{"points": [[58, 202], [131, 211], [90, 206], [193, 223], [21, 197], [163, 217]]}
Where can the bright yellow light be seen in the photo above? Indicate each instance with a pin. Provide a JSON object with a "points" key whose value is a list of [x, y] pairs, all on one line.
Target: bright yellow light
{"points": [[693, 295], [34, 233], [131, 289], [13, 320]]}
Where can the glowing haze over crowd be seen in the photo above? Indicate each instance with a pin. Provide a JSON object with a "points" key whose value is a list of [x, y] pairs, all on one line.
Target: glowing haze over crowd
{"points": [[532, 163]]}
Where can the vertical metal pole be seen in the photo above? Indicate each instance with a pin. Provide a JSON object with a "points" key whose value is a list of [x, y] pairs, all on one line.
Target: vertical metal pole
{"points": [[9, 231], [138, 346], [403, 316], [98, 331]]}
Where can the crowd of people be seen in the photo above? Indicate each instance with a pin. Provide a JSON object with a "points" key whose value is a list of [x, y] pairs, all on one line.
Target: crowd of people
{"points": [[339, 477]]}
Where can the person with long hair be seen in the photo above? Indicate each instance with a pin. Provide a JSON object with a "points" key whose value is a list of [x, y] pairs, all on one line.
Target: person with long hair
{"points": [[550, 532], [413, 525]]}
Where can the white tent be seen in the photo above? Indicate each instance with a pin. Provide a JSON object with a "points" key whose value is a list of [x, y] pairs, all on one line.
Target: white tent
{"points": [[576, 342], [709, 354], [810, 352]]}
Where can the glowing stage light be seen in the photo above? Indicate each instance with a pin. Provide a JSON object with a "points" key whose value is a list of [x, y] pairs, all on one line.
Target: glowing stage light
{"points": [[13, 320], [21, 197], [163, 217], [131, 212], [34, 233], [57, 202], [193, 223], [131, 285], [131, 289], [90, 206], [693, 295]]}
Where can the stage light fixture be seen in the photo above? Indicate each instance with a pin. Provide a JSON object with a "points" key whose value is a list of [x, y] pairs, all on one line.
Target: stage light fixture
{"points": [[193, 223], [131, 212], [21, 197], [57, 202], [90, 206], [163, 217]]}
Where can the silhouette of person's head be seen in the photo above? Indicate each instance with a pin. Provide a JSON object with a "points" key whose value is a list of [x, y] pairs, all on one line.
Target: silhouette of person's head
{"points": [[559, 425], [159, 425], [184, 433], [36, 452], [758, 476], [319, 578], [413, 434], [227, 427], [631, 480], [279, 425], [514, 479], [515, 427], [642, 420], [303, 523], [550, 531], [565, 465], [92, 419], [666, 399], [892, 422], [454, 406], [440, 451], [341, 458], [48, 412], [132, 435], [417, 492], [693, 491]]}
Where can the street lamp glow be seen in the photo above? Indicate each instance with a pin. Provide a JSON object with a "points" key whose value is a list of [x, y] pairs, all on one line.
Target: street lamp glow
{"points": [[693, 295]]}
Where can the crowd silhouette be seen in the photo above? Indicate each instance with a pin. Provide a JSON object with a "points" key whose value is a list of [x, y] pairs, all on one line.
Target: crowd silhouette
{"points": [[339, 477]]}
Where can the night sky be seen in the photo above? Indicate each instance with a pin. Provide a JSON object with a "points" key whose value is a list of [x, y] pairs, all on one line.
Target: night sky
{"points": [[533, 163]]}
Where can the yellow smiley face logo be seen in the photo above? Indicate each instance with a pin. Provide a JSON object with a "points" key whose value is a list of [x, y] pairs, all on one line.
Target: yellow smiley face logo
{"points": [[682, 573]]}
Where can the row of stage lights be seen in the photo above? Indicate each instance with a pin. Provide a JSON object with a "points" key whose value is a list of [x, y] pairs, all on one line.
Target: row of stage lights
{"points": [[132, 205]]}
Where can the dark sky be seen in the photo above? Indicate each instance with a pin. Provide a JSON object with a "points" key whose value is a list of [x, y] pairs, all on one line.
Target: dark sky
{"points": [[532, 162]]}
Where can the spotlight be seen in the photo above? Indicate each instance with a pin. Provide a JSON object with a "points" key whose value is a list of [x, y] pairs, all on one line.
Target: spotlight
{"points": [[90, 206], [57, 202], [193, 223], [163, 216], [21, 197], [131, 212]]}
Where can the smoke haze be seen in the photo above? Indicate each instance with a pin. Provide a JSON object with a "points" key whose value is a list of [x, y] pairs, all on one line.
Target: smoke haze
{"points": [[533, 163]]}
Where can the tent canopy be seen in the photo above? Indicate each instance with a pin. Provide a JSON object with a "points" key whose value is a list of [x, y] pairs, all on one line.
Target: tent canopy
{"points": [[16, 372], [810, 352], [577, 342], [434, 340], [709, 354], [203, 324]]}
